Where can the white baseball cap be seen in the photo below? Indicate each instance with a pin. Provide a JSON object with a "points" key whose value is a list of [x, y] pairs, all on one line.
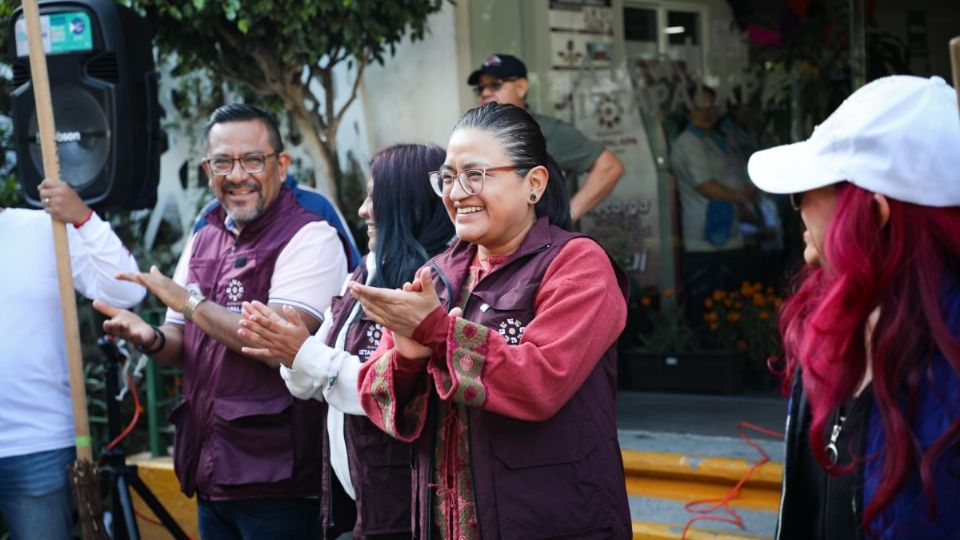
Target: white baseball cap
{"points": [[898, 136]]}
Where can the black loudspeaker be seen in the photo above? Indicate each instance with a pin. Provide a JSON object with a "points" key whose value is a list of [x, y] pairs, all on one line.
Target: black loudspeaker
{"points": [[104, 91]]}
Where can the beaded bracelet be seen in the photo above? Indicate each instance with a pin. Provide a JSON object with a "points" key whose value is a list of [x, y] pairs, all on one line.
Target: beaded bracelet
{"points": [[158, 335]]}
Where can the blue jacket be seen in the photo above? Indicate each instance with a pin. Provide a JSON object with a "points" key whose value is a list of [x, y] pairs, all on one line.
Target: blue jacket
{"points": [[907, 516]]}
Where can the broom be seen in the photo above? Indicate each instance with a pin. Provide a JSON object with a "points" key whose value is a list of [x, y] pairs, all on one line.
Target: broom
{"points": [[84, 478], [955, 64]]}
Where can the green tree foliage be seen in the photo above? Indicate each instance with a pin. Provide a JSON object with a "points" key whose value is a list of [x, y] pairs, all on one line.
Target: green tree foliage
{"points": [[275, 49]]}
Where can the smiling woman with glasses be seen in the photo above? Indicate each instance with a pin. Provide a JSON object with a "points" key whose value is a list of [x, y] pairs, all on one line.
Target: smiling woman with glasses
{"points": [[499, 360]]}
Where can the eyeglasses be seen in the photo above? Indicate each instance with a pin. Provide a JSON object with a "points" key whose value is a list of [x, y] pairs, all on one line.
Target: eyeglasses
{"points": [[494, 86], [250, 163], [471, 180], [795, 200]]}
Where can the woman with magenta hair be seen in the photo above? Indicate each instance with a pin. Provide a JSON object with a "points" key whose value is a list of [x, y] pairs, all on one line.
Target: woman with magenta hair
{"points": [[406, 225], [870, 335]]}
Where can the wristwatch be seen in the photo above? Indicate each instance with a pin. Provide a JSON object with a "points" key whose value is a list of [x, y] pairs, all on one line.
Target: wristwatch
{"points": [[195, 300]]}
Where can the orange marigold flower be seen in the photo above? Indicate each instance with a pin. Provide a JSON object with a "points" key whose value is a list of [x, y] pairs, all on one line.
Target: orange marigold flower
{"points": [[714, 327], [759, 300], [708, 302], [763, 315], [668, 292], [733, 316], [646, 301], [719, 295]]}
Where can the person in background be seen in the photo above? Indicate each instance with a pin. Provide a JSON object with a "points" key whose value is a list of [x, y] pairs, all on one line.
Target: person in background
{"points": [[406, 224], [715, 193], [502, 78], [243, 445], [871, 335], [499, 359], [37, 440], [763, 231]]}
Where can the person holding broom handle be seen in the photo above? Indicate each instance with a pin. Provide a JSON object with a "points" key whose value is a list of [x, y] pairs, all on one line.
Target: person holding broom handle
{"points": [[36, 417]]}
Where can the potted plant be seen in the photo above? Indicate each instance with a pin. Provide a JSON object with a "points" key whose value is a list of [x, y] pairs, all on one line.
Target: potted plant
{"points": [[744, 320], [669, 356]]}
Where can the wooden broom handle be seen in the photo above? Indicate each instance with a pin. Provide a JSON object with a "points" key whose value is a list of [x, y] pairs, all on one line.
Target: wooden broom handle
{"points": [[955, 65], [51, 169]]}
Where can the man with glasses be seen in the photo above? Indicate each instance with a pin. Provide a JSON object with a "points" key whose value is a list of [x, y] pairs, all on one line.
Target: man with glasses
{"points": [[503, 78], [243, 444]]}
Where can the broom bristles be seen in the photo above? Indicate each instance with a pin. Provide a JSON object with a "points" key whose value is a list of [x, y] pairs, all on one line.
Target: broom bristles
{"points": [[85, 484]]}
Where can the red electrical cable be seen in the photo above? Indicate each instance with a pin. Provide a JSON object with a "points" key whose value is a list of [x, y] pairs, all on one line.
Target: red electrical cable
{"points": [[138, 408], [136, 413], [732, 516]]}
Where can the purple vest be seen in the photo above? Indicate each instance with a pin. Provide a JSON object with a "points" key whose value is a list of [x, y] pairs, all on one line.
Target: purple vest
{"points": [[561, 478], [379, 464], [239, 432]]}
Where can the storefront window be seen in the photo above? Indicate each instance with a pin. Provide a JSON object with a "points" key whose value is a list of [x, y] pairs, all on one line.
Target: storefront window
{"points": [[683, 92]]}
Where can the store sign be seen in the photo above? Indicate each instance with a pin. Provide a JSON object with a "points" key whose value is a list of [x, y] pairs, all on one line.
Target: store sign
{"points": [[627, 222]]}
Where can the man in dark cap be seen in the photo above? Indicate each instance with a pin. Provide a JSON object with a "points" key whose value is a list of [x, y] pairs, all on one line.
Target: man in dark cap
{"points": [[503, 78]]}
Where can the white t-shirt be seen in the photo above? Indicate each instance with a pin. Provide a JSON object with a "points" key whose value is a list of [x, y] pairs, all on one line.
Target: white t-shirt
{"points": [[695, 159], [35, 409], [330, 374]]}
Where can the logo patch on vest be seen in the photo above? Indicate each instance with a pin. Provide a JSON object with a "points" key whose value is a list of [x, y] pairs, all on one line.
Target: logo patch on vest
{"points": [[374, 333], [512, 331], [234, 290]]}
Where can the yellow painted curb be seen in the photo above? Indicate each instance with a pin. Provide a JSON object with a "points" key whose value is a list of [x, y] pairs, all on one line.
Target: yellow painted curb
{"points": [[158, 475], [724, 470], [644, 530], [681, 477]]}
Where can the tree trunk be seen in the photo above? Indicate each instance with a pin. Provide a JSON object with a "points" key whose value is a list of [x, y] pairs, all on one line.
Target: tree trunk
{"points": [[324, 158]]}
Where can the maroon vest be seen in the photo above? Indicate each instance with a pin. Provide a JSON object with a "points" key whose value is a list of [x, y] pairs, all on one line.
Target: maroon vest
{"points": [[239, 431], [560, 478], [379, 464]]}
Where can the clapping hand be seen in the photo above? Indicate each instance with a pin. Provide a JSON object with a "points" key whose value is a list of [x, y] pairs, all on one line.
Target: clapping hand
{"points": [[277, 338], [401, 310]]}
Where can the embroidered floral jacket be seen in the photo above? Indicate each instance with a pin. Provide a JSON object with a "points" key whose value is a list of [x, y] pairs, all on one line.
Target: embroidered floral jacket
{"points": [[514, 412]]}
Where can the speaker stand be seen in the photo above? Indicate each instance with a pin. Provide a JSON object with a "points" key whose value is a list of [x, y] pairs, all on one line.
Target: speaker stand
{"points": [[114, 471]]}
